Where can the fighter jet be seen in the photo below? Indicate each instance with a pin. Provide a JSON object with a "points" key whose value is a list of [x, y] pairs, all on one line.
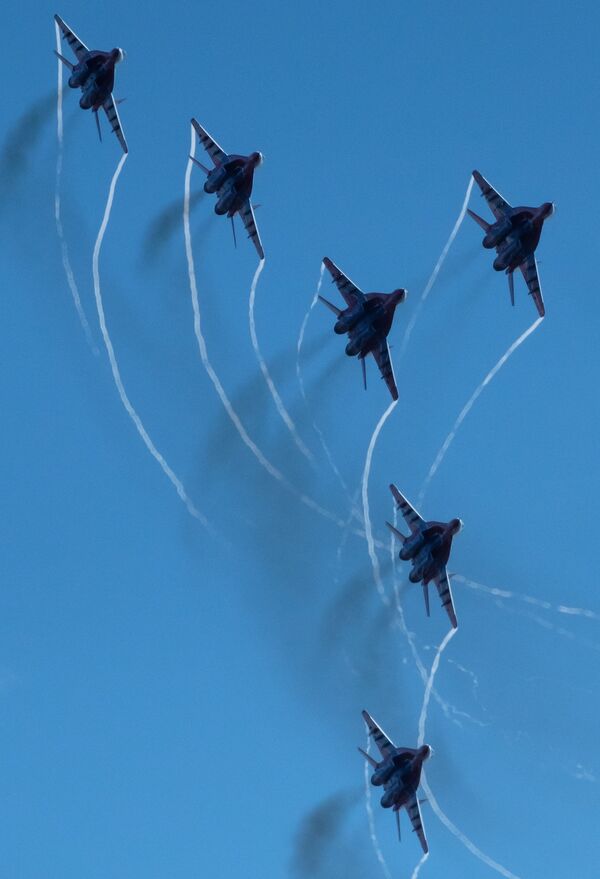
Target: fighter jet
{"points": [[367, 320], [428, 548], [400, 773], [515, 235], [94, 74], [231, 179]]}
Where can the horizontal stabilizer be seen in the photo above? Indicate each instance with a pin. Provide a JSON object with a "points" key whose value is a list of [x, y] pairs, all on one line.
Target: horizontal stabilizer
{"points": [[368, 757], [396, 533], [64, 60], [200, 165], [484, 225], [426, 597], [337, 311]]}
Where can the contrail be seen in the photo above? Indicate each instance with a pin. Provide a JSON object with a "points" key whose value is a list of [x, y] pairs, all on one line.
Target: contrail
{"points": [[235, 419], [428, 686], [371, 817], [283, 413], [315, 426], [469, 405], [417, 869], [57, 213], [436, 270], [528, 599], [177, 484], [468, 844], [365, 503]]}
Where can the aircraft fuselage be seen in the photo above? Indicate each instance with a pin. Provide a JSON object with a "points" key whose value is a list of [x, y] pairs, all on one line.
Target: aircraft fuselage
{"points": [[95, 76], [232, 180], [429, 549], [368, 322], [400, 775], [517, 235]]}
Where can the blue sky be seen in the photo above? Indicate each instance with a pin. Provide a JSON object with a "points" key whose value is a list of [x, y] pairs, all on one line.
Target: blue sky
{"points": [[175, 704]]}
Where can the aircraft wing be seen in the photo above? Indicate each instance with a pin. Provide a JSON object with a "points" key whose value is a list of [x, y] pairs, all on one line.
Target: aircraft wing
{"points": [[385, 745], [351, 293], [72, 39], [110, 108], [382, 357], [411, 517], [530, 273], [498, 205], [445, 593], [247, 215], [211, 146], [414, 813]]}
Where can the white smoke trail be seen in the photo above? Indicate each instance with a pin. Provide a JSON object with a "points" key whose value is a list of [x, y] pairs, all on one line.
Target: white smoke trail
{"points": [[468, 844], [469, 405], [177, 484], [57, 206], [283, 413], [436, 270], [417, 869], [371, 817], [313, 302], [235, 419], [365, 502], [528, 599], [427, 694], [315, 426]]}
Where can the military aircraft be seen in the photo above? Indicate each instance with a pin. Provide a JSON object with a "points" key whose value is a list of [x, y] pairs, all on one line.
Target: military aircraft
{"points": [[400, 773], [231, 179], [428, 548], [367, 320], [94, 74], [515, 235]]}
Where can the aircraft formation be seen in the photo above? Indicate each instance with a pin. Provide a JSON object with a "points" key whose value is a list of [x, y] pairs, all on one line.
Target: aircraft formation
{"points": [[367, 321]]}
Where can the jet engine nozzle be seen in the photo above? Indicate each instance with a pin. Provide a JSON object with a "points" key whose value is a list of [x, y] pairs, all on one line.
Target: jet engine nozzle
{"points": [[352, 349]]}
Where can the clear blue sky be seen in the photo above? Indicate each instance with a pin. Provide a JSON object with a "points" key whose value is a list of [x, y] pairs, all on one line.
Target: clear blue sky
{"points": [[172, 708]]}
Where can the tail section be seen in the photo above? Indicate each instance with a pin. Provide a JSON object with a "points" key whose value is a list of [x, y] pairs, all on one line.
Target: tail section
{"points": [[200, 165], [396, 533], [511, 286], [426, 597], [484, 225], [331, 306], [368, 757], [64, 60]]}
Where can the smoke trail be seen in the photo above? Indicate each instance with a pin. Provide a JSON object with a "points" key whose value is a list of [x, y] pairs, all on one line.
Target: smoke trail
{"points": [[365, 502], [426, 696], [283, 413], [371, 817], [315, 426], [417, 869], [527, 599], [314, 301], [177, 484], [436, 270], [57, 213], [468, 844], [469, 405], [235, 419]]}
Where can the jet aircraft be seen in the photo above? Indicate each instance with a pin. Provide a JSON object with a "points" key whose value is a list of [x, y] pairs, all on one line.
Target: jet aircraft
{"points": [[94, 74], [399, 772], [515, 235], [428, 548], [231, 179], [367, 320]]}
